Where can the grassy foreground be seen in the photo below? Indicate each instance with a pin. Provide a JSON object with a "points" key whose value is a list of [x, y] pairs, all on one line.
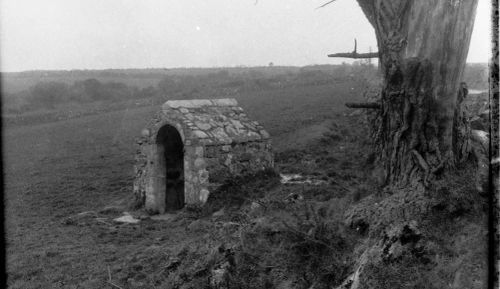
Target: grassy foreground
{"points": [[66, 180]]}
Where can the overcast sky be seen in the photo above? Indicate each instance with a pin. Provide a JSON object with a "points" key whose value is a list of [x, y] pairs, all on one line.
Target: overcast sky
{"points": [[99, 34]]}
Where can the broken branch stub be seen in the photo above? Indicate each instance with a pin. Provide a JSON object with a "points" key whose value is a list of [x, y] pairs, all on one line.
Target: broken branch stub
{"points": [[370, 105], [355, 55]]}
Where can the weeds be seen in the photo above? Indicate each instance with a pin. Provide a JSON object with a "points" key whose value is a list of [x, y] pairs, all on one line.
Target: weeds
{"points": [[301, 244]]}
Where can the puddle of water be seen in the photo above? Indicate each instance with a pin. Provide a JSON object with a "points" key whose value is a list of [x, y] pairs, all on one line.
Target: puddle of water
{"points": [[285, 178], [299, 179], [476, 91]]}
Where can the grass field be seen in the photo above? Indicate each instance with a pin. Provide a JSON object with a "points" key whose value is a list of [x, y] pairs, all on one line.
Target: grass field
{"points": [[59, 169], [66, 178]]}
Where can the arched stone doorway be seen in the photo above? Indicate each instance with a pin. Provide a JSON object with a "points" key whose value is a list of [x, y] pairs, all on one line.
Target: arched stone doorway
{"points": [[193, 147], [170, 168]]}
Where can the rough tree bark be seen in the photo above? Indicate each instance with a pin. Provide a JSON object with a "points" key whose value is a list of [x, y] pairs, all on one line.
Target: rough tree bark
{"points": [[423, 45]]}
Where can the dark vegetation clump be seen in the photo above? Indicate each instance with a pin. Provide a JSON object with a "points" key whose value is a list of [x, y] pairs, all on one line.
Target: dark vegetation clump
{"points": [[407, 273], [241, 190], [441, 241], [300, 246], [452, 252], [49, 95]]}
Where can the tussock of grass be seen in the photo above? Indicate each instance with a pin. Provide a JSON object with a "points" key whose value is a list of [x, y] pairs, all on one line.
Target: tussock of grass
{"points": [[300, 245]]}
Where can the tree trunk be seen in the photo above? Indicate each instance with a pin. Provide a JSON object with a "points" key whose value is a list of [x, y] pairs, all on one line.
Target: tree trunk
{"points": [[423, 45]]}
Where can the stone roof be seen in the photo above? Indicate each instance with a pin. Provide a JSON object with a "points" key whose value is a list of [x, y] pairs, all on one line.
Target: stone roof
{"points": [[214, 121]]}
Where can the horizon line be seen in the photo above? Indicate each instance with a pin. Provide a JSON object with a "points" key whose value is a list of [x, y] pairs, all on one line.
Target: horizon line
{"points": [[186, 67]]}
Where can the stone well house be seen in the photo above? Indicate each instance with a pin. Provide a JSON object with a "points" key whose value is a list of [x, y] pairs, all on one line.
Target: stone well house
{"points": [[191, 147]]}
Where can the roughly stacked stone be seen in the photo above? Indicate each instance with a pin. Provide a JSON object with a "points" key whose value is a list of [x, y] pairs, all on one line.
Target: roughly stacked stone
{"points": [[220, 141], [216, 121]]}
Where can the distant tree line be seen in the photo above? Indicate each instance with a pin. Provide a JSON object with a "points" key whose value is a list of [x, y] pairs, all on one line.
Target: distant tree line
{"points": [[220, 83], [49, 95]]}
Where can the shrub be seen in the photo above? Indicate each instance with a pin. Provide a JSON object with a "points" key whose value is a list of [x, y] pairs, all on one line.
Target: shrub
{"points": [[408, 273], [48, 94], [301, 245]]}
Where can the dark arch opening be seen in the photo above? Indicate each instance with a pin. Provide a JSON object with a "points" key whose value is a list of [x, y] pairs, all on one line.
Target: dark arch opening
{"points": [[171, 166]]}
